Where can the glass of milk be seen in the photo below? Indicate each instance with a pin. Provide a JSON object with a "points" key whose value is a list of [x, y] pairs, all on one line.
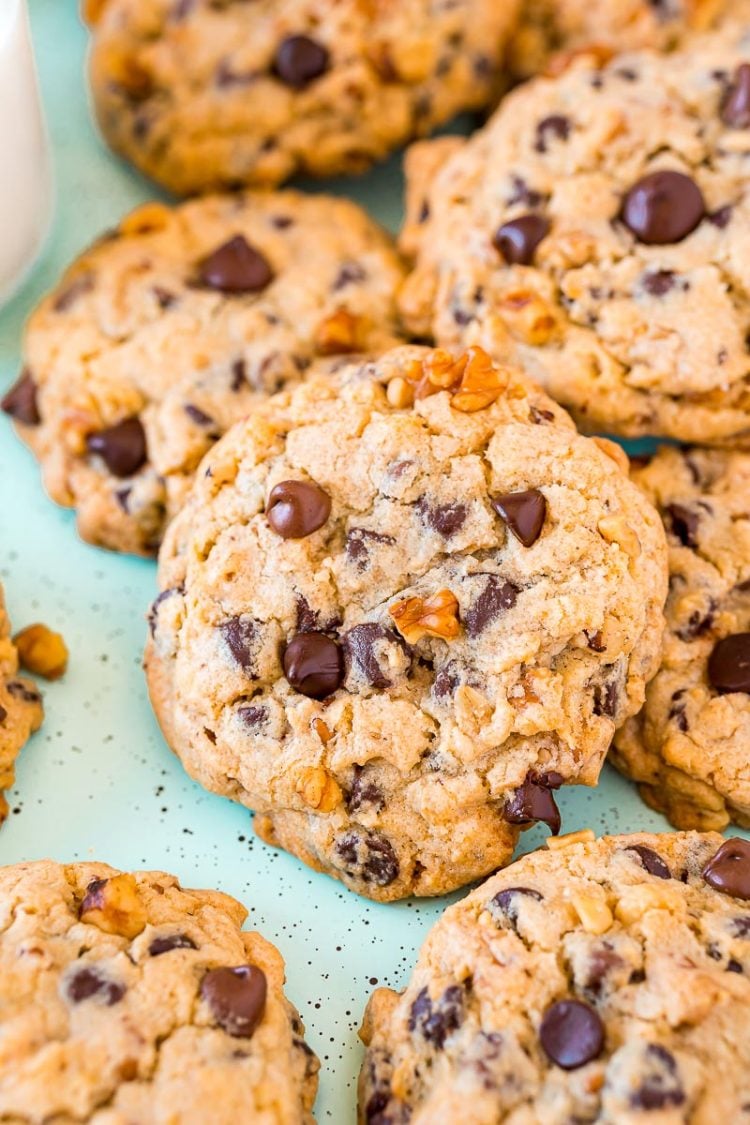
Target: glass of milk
{"points": [[25, 176]]}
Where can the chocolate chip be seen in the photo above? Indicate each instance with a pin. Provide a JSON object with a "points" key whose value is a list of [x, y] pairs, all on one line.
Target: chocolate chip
{"points": [[496, 597], [368, 856], [313, 665], [252, 717], [659, 282], [3, 714], [122, 447], [357, 541], [684, 523], [363, 791], [435, 1021], [360, 655], [571, 1034], [153, 613], [539, 417], [240, 635], [88, 982], [446, 519], [721, 217], [741, 926], [300, 60], [505, 903], [517, 240], [68, 296], [735, 106], [605, 699], [296, 508], [533, 801], [20, 402], [734, 966], [350, 273], [664, 207], [198, 416], [729, 870], [602, 961], [595, 641], [164, 298], [445, 683], [20, 691], [236, 997], [523, 193], [729, 664], [236, 267], [169, 942], [556, 127], [651, 860], [523, 512], [660, 1085]]}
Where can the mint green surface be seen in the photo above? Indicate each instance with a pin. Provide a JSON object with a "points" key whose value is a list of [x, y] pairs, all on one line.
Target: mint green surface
{"points": [[98, 781]]}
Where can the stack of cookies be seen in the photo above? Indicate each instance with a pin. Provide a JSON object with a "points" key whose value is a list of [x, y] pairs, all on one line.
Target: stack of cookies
{"points": [[408, 584]]}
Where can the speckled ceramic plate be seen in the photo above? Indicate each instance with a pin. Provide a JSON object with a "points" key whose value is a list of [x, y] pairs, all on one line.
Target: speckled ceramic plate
{"points": [[98, 780]]}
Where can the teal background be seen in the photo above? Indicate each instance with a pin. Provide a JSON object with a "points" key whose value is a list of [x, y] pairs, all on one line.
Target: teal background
{"points": [[98, 780]]}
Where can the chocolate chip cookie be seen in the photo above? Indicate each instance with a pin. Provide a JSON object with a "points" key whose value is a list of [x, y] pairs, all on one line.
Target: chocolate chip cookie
{"points": [[128, 999], [203, 95], [595, 230], [550, 26], [401, 607], [20, 708], [689, 748], [175, 325], [607, 980]]}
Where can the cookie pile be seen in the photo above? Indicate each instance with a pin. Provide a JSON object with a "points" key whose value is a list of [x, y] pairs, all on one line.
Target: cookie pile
{"points": [[403, 595]]}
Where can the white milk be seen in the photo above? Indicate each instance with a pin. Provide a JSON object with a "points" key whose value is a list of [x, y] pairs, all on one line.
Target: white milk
{"points": [[25, 173]]}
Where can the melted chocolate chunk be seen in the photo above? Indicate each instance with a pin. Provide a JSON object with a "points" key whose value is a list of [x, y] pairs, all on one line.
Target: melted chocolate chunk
{"points": [[684, 523], [358, 540], [169, 942], [153, 613], [88, 982], [446, 519], [659, 282], [235, 267], [506, 903], [605, 699], [20, 402], [350, 273], [236, 998], [436, 1021], [195, 414], [735, 106], [523, 512], [122, 447], [240, 635], [363, 792], [313, 665], [517, 240], [571, 1034], [729, 870], [360, 656], [533, 801], [664, 207], [252, 717], [496, 597], [368, 856], [297, 508], [651, 861], [729, 664], [661, 1086], [555, 127], [300, 60], [20, 691]]}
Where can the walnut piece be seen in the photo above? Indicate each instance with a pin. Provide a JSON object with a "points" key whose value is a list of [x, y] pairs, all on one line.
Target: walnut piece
{"points": [[338, 334], [436, 616], [42, 651], [149, 217], [114, 905], [528, 316], [472, 379], [318, 789]]}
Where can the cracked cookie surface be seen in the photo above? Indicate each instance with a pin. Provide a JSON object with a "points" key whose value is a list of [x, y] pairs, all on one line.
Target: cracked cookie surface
{"points": [[595, 230], [175, 325], [689, 748], [21, 708], [204, 96], [394, 630], [606, 981], [126, 998]]}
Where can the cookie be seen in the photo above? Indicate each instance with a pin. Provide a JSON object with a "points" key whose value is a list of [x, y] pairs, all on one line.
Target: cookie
{"points": [[20, 708], [392, 630], [204, 96], [689, 748], [606, 980], [595, 231], [550, 26], [128, 999], [177, 324]]}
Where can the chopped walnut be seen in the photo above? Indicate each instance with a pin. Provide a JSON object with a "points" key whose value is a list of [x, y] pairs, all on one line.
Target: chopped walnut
{"points": [[114, 905], [472, 380], [318, 789], [599, 53], [338, 334], [322, 730], [528, 316], [149, 217], [436, 616], [42, 651], [584, 836], [614, 529], [613, 451], [593, 911]]}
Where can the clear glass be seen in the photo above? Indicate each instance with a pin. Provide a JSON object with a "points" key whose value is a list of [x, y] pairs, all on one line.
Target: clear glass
{"points": [[25, 169]]}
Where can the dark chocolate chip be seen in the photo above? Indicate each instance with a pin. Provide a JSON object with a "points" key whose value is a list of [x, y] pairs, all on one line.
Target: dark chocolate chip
{"points": [[349, 273], [496, 597], [20, 402], [729, 870], [517, 240], [523, 193], [236, 267], [533, 801], [729, 664], [741, 926], [252, 717], [358, 540], [445, 683], [313, 665], [684, 523], [198, 416], [300, 60], [436, 1021], [88, 982], [360, 655], [523, 512], [20, 691], [660, 1086], [554, 127], [735, 106], [571, 1033], [363, 791], [153, 613], [236, 997], [169, 942], [651, 861], [446, 519], [368, 856], [122, 447], [734, 966], [3, 714], [296, 508], [659, 282], [722, 217], [240, 635], [506, 902], [605, 699], [664, 207], [602, 960], [539, 417]]}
